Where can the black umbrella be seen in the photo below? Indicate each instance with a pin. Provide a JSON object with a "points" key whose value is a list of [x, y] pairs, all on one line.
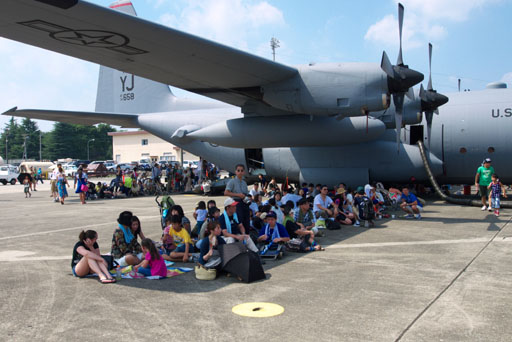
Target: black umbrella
{"points": [[238, 260], [21, 177]]}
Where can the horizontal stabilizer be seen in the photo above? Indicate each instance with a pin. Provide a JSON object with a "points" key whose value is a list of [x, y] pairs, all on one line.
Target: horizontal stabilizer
{"points": [[83, 118]]}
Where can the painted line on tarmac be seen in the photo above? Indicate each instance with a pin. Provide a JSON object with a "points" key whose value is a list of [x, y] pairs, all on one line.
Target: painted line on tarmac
{"points": [[408, 243]]}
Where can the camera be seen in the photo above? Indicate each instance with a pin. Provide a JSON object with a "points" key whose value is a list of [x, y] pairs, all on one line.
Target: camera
{"points": [[247, 200]]}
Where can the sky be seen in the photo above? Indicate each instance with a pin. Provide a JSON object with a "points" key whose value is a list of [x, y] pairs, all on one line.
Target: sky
{"points": [[471, 41]]}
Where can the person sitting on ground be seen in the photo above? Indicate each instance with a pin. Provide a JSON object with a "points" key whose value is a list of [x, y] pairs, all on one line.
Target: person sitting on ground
{"points": [[277, 209], [232, 229], [410, 204], [288, 195], [365, 207], [272, 187], [213, 215], [125, 248], [178, 210], [153, 263], [209, 256], [296, 231], [211, 204], [136, 189], [273, 232], [137, 228], [322, 202], [340, 215], [255, 190], [304, 216], [167, 240], [183, 246], [200, 215], [87, 259], [253, 206]]}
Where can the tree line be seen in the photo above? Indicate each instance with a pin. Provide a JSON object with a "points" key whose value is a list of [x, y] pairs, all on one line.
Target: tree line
{"points": [[64, 141]]}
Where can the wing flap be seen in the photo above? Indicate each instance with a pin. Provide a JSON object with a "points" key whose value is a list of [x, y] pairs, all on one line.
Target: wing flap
{"points": [[137, 46]]}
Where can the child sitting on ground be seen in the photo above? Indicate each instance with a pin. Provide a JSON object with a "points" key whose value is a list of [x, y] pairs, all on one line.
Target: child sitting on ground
{"points": [[167, 240], [494, 196], [26, 187], [153, 263], [181, 240], [200, 216]]}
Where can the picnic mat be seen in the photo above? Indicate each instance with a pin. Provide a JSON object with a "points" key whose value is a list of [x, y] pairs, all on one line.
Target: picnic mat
{"points": [[127, 272]]}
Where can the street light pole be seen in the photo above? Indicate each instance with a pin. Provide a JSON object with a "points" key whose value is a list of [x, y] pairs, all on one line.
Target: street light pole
{"points": [[6, 150], [88, 148], [40, 135]]}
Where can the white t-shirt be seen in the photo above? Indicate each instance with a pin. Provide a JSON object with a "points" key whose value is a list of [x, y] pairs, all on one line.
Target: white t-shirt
{"points": [[201, 214], [319, 200], [254, 192]]}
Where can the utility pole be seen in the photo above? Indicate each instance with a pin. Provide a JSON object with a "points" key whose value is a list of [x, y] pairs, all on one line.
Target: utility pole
{"points": [[25, 147], [88, 148], [40, 135], [6, 150], [274, 44]]}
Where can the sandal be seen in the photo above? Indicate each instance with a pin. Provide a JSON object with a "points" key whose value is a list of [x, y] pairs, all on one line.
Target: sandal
{"points": [[106, 281]]}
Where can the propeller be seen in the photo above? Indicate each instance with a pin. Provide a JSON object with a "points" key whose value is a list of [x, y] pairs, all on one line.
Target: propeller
{"points": [[431, 100], [400, 78]]}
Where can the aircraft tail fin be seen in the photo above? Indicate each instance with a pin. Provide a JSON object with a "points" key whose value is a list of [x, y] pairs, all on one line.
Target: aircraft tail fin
{"points": [[120, 92]]}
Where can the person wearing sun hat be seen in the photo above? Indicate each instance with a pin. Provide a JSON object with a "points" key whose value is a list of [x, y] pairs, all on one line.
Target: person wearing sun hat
{"points": [[125, 248]]}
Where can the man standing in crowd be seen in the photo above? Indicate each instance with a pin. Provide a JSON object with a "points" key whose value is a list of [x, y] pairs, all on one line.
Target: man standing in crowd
{"points": [[237, 190], [483, 179]]}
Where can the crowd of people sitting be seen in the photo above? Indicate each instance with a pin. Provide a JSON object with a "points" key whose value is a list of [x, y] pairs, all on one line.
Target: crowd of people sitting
{"points": [[288, 218]]}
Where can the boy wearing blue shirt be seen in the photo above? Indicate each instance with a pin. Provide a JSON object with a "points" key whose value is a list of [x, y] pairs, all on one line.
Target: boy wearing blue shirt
{"points": [[410, 204]]}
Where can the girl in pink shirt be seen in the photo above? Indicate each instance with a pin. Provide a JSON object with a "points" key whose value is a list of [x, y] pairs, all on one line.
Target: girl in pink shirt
{"points": [[153, 264]]}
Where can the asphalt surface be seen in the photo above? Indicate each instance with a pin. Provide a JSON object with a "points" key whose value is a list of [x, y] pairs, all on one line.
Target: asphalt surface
{"points": [[444, 278]]}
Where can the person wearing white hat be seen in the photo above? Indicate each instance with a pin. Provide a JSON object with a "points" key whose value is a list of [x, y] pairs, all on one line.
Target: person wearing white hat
{"points": [[232, 229]]}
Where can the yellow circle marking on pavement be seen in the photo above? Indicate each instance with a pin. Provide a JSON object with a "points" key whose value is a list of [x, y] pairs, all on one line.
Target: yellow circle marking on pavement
{"points": [[258, 309]]}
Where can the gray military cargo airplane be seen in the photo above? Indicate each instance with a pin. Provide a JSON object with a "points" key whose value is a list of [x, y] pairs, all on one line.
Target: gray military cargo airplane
{"points": [[318, 123]]}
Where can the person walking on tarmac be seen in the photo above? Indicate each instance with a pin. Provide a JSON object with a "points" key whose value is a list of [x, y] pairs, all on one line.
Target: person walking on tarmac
{"points": [[237, 190], [483, 179]]}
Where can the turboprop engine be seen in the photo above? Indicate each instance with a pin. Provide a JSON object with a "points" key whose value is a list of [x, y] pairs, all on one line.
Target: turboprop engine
{"points": [[290, 131]]}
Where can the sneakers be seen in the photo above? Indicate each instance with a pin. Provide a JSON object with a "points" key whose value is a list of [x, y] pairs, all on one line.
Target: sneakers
{"points": [[357, 224], [418, 217], [496, 213], [490, 209], [409, 216], [483, 208]]}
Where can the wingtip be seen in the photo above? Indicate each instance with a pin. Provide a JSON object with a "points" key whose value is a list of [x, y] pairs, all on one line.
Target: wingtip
{"points": [[13, 109]]}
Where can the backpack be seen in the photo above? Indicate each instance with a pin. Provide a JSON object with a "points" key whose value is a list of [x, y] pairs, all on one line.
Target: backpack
{"points": [[332, 224], [297, 245], [366, 211]]}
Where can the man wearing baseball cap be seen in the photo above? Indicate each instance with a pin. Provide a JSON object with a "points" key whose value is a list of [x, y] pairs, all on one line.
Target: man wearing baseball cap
{"points": [[483, 179], [232, 229]]}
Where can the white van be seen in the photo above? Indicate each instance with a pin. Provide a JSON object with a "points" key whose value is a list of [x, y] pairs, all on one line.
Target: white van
{"points": [[8, 174]]}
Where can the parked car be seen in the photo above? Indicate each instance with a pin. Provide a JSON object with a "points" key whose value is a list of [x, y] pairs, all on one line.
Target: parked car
{"points": [[125, 166], [144, 167], [111, 166], [8, 174], [82, 163], [70, 170]]}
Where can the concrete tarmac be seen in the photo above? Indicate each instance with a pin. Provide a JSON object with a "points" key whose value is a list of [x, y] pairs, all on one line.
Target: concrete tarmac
{"points": [[444, 278]]}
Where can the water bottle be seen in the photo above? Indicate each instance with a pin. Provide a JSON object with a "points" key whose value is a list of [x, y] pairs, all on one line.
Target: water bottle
{"points": [[118, 272]]}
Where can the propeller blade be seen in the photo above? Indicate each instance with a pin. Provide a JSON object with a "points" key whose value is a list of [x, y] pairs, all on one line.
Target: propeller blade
{"points": [[398, 100], [429, 87], [429, 116], [410, 94], [423, 94], [386, 65], [400, 26]]}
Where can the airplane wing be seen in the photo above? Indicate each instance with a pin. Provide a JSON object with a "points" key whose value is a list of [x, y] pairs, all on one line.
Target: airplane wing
{"points": [[133, 45], [83, 118]]}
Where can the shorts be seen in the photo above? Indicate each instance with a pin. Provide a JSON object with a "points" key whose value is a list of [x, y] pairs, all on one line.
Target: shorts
{"points": [[122, 261], [181, 248], [418, 207], [53, 185], [484, 192], [495, 202]]}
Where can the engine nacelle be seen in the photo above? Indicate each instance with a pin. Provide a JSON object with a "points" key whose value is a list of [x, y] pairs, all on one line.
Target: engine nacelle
{"points": [[347, 89]]}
